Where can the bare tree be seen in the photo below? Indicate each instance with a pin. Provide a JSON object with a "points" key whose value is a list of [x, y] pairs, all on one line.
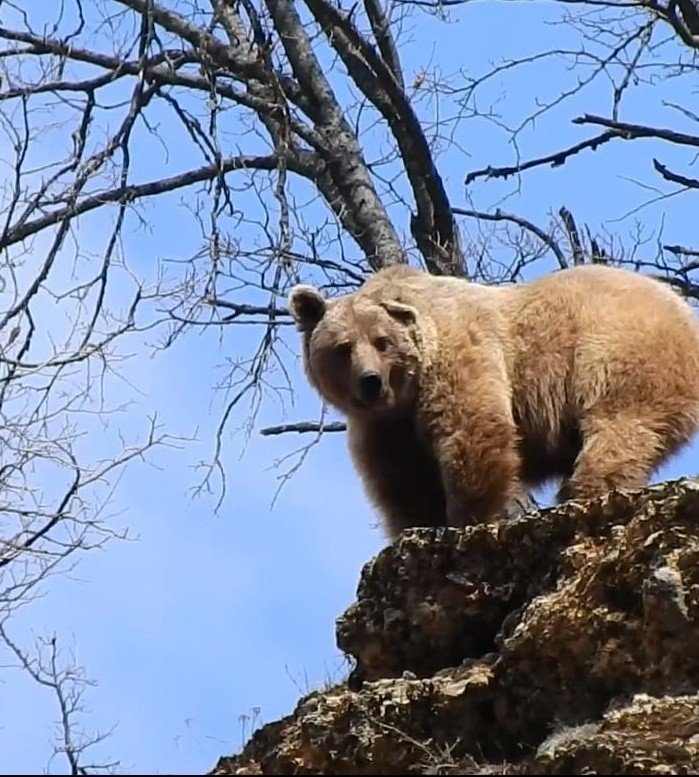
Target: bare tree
{"points": [[646, 47], [296, 147]]}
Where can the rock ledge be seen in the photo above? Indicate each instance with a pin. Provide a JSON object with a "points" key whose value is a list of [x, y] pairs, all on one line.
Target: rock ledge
{"points": [[564, 641]]}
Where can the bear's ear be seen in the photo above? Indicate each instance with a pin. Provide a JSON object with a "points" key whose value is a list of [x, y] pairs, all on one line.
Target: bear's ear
{"points": [[404, 314], [306, 306]]}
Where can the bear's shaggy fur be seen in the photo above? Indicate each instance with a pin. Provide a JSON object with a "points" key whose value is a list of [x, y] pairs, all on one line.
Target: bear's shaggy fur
{"points": [[457, 394]]}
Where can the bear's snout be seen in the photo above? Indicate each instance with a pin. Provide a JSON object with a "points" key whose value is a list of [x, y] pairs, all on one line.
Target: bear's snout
{"points": [[369, 386]]}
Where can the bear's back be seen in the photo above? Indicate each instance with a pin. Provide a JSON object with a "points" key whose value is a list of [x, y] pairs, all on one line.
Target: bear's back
{"points": [[594, 287], [598, 308], [592, 334], [447, 299]]}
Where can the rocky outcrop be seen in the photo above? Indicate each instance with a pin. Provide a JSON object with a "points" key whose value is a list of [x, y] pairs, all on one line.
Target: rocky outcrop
{"points": [[560, 642]]}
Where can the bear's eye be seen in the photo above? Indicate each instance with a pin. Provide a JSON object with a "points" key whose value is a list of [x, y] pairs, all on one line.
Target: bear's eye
{"points": [[343, 350], [381, 343]]}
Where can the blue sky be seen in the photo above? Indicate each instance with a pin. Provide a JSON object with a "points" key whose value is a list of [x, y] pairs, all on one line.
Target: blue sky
{"points": [[206, 617]]}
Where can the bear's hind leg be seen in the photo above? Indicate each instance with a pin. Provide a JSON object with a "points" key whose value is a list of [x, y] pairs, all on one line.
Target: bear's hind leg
{"points": [[618, 452]]}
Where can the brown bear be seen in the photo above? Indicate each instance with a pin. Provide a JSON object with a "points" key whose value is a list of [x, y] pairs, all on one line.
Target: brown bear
{"points": [[458, 394]]}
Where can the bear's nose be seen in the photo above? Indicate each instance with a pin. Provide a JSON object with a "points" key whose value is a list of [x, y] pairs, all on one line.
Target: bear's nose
{"points": [[369, 386]]}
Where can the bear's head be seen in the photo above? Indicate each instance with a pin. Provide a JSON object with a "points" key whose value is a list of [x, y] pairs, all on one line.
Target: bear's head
{"points": [[360, 353]]}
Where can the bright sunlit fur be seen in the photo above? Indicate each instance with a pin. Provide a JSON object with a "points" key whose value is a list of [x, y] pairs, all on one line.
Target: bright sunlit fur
{"points": [[590, 375]]}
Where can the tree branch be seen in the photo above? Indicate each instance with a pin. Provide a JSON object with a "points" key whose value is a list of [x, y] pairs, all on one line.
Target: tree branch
{"points": [[690, 14], [134, 192], [159, 70], [384, 39], [243, 68], [682, 251], [521, 222], [242, 309], [433, 226], [302, 427], [686, 288], [630, 131], [668, 175], [555, 160], [573, 235], [343, 156]]}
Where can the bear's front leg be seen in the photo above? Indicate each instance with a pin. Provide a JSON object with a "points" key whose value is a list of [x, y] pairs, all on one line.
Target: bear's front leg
{"points": [[468, 419], [479, 472], [399, 473]]}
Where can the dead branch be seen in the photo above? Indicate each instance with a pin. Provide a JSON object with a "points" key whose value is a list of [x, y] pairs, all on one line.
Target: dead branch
{"points": [[555, 160], [303, 427], [630, 131], [499, 215]]}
